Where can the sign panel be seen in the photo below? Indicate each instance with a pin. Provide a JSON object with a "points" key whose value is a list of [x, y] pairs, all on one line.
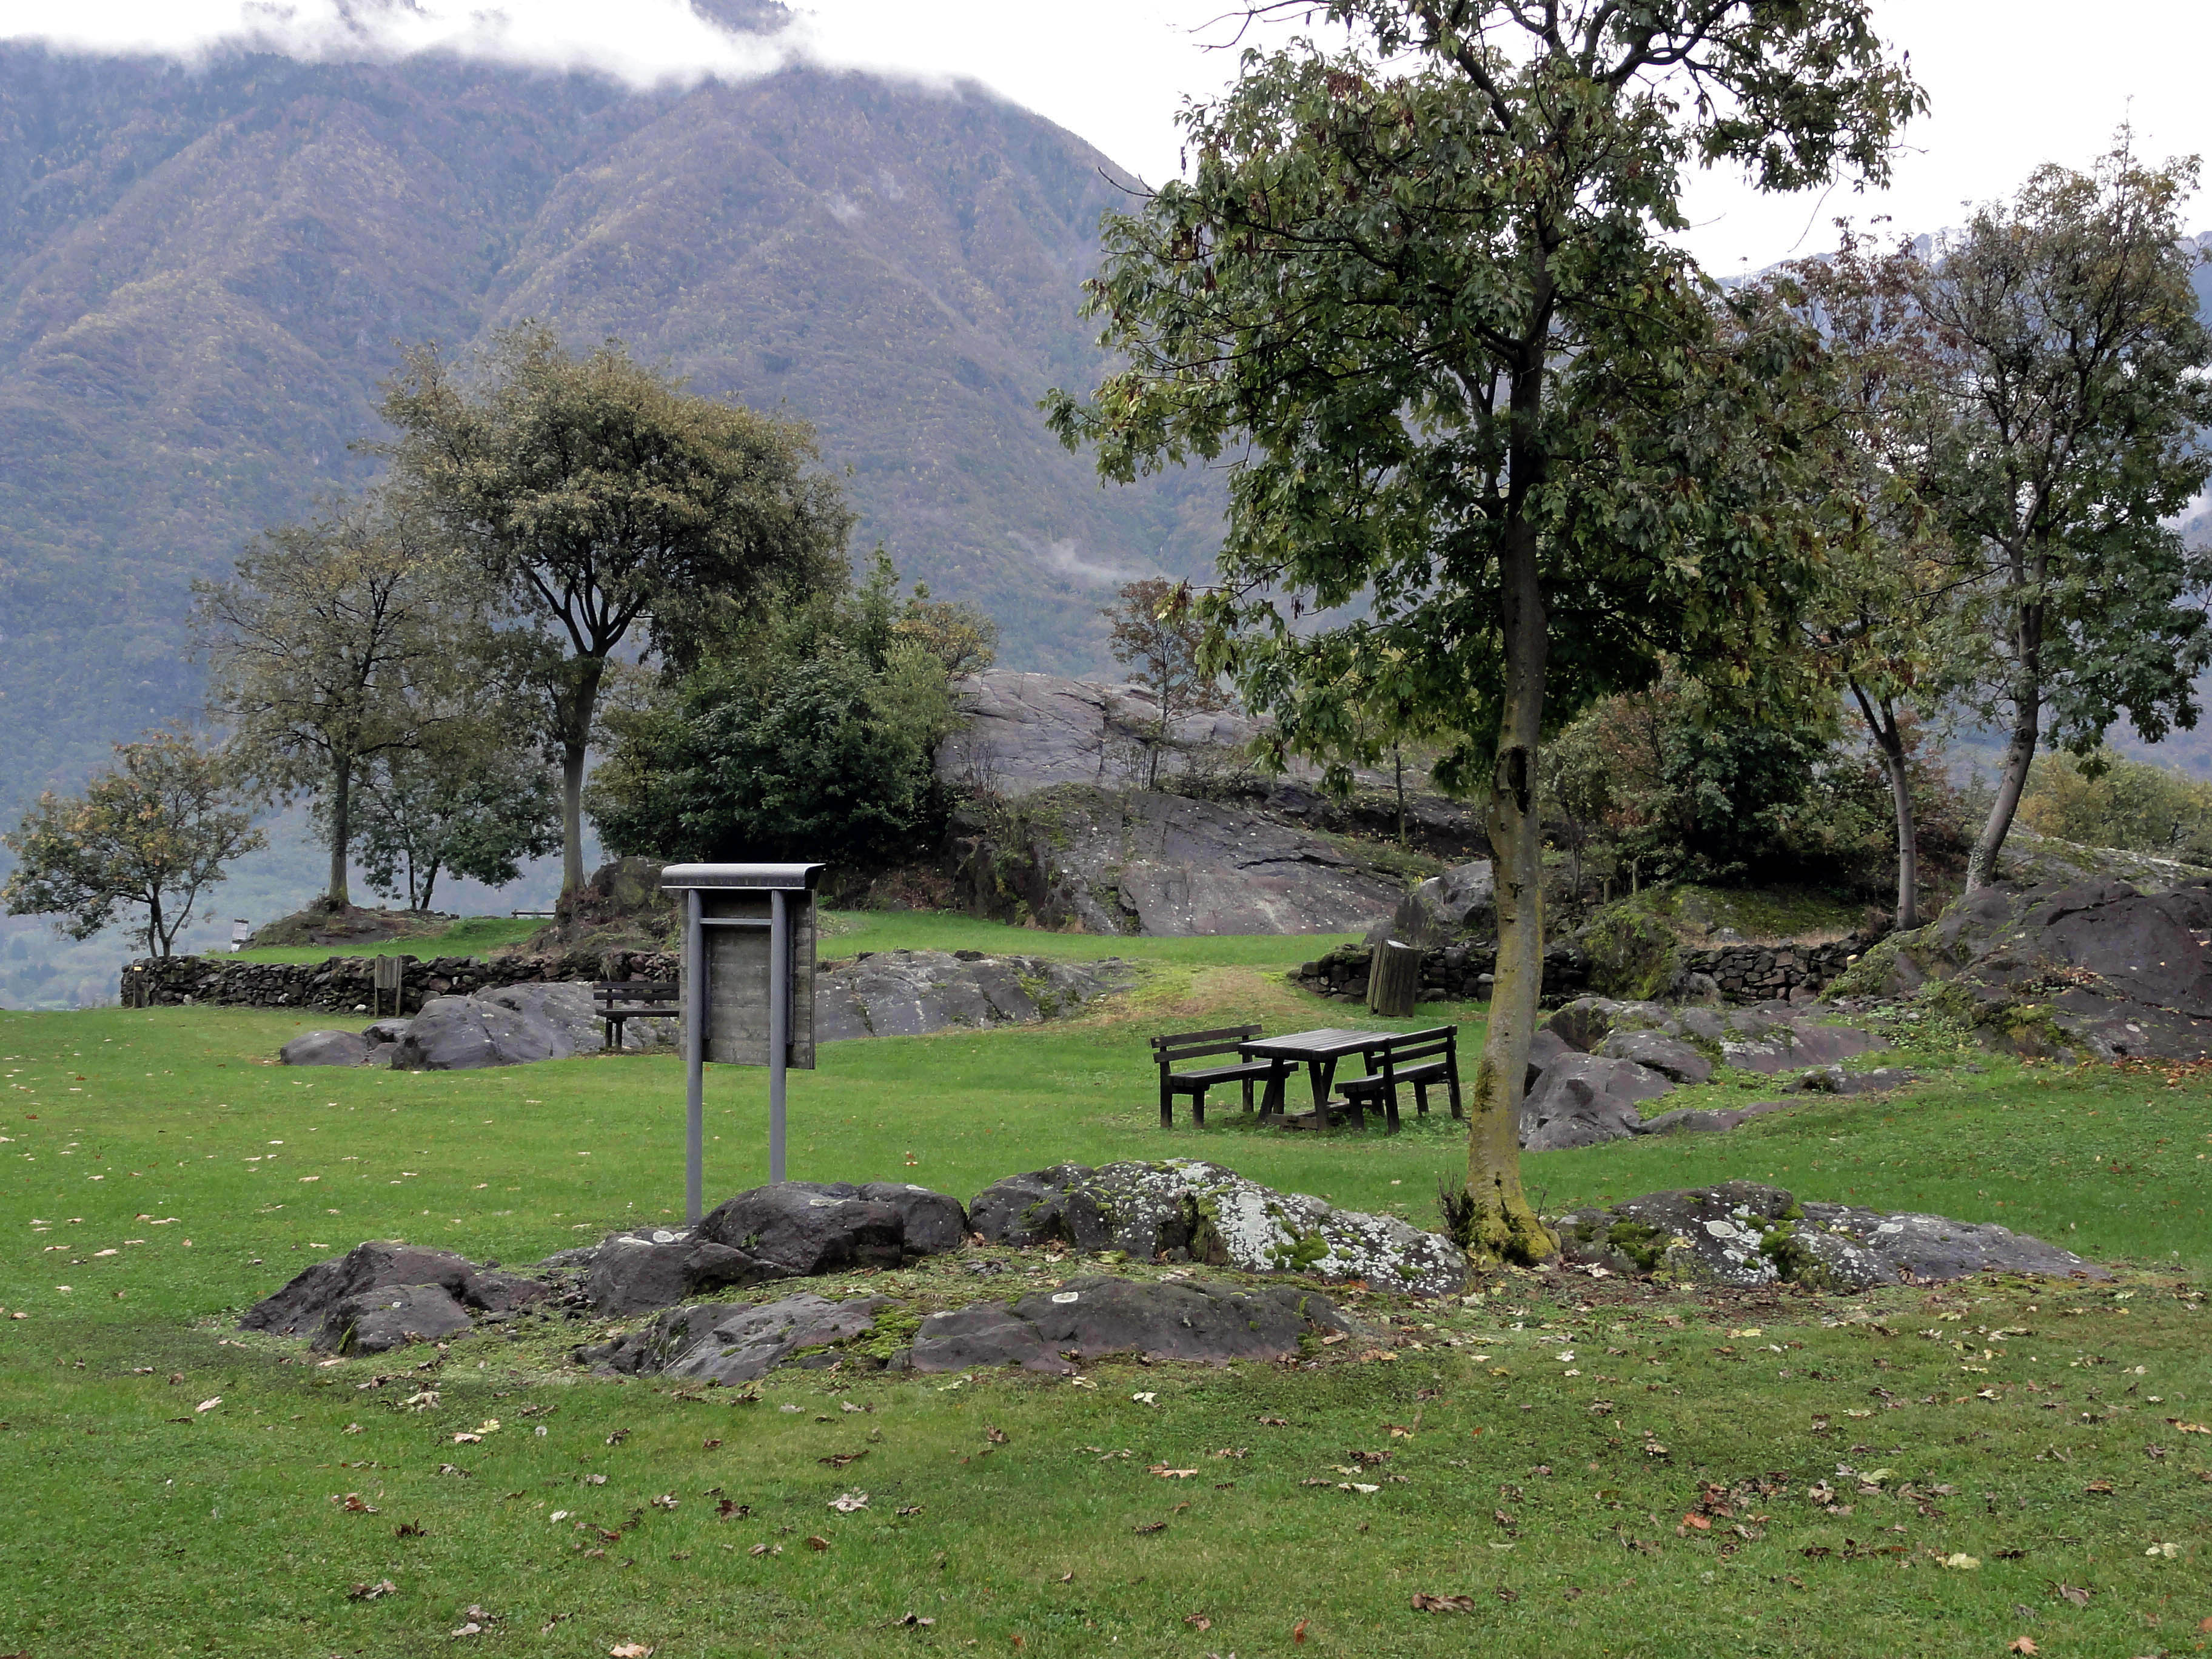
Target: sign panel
{"points": [[737, 987]]}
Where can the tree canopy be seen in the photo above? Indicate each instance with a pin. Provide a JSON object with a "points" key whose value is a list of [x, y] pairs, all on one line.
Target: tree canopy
{"points": [[599, 497], [1480, 414]]}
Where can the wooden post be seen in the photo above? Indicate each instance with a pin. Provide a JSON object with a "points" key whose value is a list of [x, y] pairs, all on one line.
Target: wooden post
{"points": [[1394, 979]]}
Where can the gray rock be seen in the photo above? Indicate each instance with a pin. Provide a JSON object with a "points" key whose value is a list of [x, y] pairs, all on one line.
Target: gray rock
{"points": [[1091, 1317], [910, 993], [313, 1301], [1184, 1210], [512, 1025], [1744, 1235], [1583, 1023], [384, 1031], [1582, 1100], [1545, 1047], [1462, 901], [726, 1344], [631, 1272], [1114, 862], [323, 1048], [1779, 1046], [1705, 1025], [1025, 732], [1670, 1057], [1835, 1080], [377, 1322], [789, 1230]]}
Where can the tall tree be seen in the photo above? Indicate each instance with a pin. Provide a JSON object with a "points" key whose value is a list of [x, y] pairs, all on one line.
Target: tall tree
{"points": [[1154, 631], [153, 833], [599, 497], [1422, 288], [2079, 367], [1889, 619], [331, 646]]}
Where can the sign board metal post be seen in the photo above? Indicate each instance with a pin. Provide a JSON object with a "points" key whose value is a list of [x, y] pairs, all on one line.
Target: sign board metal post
{"points": [[748, 940]]}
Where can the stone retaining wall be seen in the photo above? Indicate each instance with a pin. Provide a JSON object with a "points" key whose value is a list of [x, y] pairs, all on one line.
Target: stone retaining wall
{"points": [[1463, 972], [345, 984]]}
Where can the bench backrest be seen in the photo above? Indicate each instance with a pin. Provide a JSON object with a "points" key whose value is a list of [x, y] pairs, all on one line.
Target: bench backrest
{"points": [[1408, 1046], [615, 993], [1191, 1045]]}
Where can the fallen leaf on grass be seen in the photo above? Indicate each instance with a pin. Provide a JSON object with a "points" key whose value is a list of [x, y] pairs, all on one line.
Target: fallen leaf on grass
{"points": [[2023, 1645], [1962, 1563], [2074, 1594], [1276, 1422], [1157, 1525], [1356, 1486], [353, 1504], [839, 1460], [408, 1530], [849, 1503], [465, 1438], [1198, 1621], [911, 1508], [765, 1549], [370, 1592], [709, 1445], [911, 1621], [208, 1405], [996, 1437], [2098, 1488], [1167, 1473], [818, 1543], [629, 1650], [1299, 1634], [667, 1500], [1427, 1603], [1146, 1399]]}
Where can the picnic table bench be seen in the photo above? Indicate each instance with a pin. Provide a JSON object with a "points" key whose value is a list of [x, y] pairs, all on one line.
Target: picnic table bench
{"points": [[619, 999], [1172, 1049], [1421, 1059]]}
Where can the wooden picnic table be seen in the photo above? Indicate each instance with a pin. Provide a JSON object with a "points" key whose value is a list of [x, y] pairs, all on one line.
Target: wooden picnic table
{"points": [[1318, 1052]]}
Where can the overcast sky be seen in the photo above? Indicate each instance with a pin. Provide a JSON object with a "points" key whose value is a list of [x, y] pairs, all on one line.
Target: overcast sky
{"points": [[2012, 83]]}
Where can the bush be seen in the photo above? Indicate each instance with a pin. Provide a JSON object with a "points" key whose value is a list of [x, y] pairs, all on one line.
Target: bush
{"points": [[1632, 953]]}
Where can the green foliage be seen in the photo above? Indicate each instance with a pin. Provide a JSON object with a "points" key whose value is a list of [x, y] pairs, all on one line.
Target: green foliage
{"points": [[1632, 953], [816, 741], [152, 833], [2104, 799], [474, 809]]}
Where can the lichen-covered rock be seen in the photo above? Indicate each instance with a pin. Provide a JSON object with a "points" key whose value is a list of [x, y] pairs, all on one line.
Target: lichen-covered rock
{"points": [[1088, 1318], [1744, 1233], [1185, 1210], [727, 1344]]}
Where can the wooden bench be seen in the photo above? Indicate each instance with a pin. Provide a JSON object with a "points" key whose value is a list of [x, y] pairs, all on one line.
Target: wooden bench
{"points": [[1171, 1050], [1422, 1059], [618, 999]]}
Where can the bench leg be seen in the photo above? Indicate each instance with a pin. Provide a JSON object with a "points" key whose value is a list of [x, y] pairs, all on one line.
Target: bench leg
{"points": [[1453, 1082], [1197, 1110], [1390, 1108], [1248, 1094], [1167, 1104], [1421, 1099]]}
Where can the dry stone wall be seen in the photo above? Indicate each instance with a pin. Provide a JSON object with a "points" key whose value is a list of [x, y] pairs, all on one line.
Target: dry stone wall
{"points": [[346, 984], [1744, 973]]}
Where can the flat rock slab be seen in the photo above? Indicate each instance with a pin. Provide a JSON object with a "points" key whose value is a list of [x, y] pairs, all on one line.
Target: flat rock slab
{"points": [[1183, 1209], [1088, 1318], [325, 1048], [913, 993], [730, 1343], [1743, 1234], [382, 1294]]}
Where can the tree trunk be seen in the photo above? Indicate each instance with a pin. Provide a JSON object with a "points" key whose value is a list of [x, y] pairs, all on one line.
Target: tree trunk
{"points": [[575, 709], [339, 897], [157, 937], [1506, 1227], [429, 880], [1394, 979], [1890, 740], [1398, 769], [2020, 752]]}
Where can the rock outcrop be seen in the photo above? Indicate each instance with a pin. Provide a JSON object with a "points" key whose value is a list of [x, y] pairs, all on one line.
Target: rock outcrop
{"points": [[1163, 865], [1443, 909], [1742, 1234], [910, 993], [1025, 732], [1181, 1209], [2102, 967], [1087, 1319], [730, 1343], [514, 1026]]}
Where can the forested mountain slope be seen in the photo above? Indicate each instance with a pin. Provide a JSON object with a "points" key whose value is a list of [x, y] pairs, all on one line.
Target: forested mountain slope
{"points": [[204, 273]]}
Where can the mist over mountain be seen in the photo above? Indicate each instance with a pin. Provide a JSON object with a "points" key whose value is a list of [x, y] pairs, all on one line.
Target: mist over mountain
{"points": [[206, 270]]}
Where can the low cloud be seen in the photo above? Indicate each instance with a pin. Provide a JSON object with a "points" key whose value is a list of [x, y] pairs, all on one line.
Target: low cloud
{"points": [[1062, 558]]}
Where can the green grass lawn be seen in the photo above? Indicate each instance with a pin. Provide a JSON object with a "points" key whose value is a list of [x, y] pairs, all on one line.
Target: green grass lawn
{"points": [[156, 1165], [471, 936]]}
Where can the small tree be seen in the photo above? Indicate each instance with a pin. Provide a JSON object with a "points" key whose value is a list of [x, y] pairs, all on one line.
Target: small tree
{"points": [[333, 646], [1155, 632], [598, 498], [2081, 400], [475, 809], [960, 638], [152, 833]]}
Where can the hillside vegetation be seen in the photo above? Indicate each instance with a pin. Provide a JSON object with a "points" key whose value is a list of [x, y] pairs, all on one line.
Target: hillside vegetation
{"points": [[205, 272]]}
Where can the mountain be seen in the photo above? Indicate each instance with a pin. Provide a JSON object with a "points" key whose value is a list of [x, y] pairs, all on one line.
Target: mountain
{"points": [[205, 272]]}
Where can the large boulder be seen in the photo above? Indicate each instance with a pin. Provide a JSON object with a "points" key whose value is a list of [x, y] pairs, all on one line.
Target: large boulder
{"points": [[1181, 1209], [1086, 1319], [1582, 1100], [1672, 1058], [1743, 1234], [325, 1048], [1462, 901], [353, 1302], [911, 992], [1143, 862], [2101, 967], [512, 1025]]}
